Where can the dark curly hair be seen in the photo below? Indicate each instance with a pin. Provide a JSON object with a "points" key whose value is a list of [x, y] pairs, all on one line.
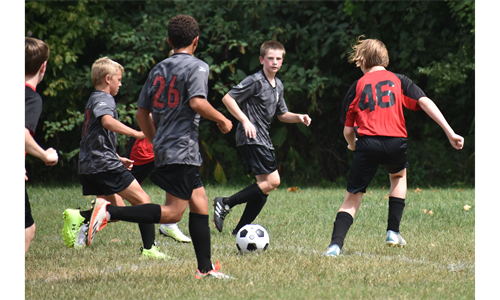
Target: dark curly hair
{"points": [[182, 30]]}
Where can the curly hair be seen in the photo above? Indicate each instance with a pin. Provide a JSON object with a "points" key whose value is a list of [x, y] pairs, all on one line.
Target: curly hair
{"points": [[369, 53], [182, 30]]}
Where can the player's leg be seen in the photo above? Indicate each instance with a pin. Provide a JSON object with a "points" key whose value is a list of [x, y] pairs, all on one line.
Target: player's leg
{"points": [[29, 224], [397, 195], [262, 162], [396, 163], [29, 235], [363, 168]]}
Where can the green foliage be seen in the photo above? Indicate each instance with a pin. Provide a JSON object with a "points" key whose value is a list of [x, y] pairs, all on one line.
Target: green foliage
{"points": [[432, 42]]}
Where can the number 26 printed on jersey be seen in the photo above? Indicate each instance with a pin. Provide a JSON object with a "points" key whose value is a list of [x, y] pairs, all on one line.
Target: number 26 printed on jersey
{"points": [[172, 93]]}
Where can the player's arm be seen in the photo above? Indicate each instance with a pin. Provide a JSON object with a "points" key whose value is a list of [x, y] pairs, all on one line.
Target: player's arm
{"points": [[350, 137], [290, 117], [143, 117], [433, 111], [127, 162], [114, 125], [233, 107], [49, 156], [206, 110]]}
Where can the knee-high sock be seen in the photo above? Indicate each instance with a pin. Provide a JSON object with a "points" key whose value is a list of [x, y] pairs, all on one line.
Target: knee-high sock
{"points": [[243, 196], [341, 226], [200, 236], [396, 207], [147, 234], [148, 213], [252, 210]]}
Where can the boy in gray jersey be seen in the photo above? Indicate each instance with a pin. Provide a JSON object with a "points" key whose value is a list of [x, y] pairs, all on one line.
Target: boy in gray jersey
{"points": [[175, 93], [254, 102], [102, 172]]}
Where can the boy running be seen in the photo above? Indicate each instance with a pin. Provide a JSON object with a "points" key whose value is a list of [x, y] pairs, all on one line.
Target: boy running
{"points": [[374, 104], [176, 95], [254, 102], [36, 54], [102, 172]]}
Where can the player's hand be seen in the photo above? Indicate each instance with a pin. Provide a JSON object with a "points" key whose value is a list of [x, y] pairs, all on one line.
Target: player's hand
{"points": [[25, 176], [140, 135], [351, 147], [250, 130], [226, 126], [456, 141], [129, 164], [51, 157], [305, 119]]}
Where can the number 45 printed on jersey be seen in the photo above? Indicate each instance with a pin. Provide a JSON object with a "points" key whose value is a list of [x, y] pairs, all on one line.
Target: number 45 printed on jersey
{"points": [[172, 93]]}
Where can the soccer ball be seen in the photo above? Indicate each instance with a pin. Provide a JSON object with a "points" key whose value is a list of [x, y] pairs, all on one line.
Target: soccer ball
{"points": [[252, 238]]}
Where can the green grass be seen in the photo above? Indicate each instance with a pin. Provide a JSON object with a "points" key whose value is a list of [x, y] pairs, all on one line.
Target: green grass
{"points": [[438, 262]]}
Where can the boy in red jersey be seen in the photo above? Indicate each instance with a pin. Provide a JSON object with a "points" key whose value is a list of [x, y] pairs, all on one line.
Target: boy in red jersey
{"points": [[36, 55], [374, 104]]}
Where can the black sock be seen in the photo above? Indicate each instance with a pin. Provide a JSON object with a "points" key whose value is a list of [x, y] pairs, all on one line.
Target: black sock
{"points": [[396, 207], [252, 210], [200, 235], [343, 222], [145, 213], [245, 195], [147, 234], [85, 215]]}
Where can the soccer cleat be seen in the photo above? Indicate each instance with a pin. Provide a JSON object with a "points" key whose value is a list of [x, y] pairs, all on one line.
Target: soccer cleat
{"points": [[98, 218], [154, 252], [174, 232], [394, 239], [220, 212], [214, 273], [80, 238], [333, 250], [72, 223]]}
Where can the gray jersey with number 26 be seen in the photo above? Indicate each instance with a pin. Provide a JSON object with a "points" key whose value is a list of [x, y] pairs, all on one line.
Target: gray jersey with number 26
{"points": [[166, 93]]}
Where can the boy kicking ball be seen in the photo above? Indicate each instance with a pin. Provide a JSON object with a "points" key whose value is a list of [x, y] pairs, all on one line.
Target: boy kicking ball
{"points": [[254, 102], [374, 104]]}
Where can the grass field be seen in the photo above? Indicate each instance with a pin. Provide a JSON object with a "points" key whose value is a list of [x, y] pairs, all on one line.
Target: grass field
{"points": [[438, 262]]}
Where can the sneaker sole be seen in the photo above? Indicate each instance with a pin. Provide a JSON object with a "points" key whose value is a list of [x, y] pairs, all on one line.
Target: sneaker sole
{"points": [[394, 245], [180, 241]]}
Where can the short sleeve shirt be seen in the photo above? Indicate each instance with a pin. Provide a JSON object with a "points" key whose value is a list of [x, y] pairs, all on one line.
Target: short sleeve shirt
{"points": [[374, 104], [166, 93], [98, 144], [260, 102], [32, 108]]}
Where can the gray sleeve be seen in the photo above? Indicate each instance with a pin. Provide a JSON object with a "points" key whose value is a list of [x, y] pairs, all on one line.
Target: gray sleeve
{"points": [[198, 81], [105, 106], [281, 108], [243, 90]]}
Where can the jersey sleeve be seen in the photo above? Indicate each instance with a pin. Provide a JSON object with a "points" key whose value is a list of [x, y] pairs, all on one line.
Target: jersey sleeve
{"points": [[198, 81], [411, 92], [243, 90], [104, 106], [345, 115], [32, 111], [144, 98], [281, 108]]}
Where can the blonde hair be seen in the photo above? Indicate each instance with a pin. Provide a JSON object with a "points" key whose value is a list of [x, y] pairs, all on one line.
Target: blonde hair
{"points": [[369, 53], [271, 45], [103, 67], [36, 52]]}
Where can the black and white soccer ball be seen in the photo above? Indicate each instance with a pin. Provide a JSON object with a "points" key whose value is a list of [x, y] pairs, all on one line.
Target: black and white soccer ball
{"points": [[252, 238]]}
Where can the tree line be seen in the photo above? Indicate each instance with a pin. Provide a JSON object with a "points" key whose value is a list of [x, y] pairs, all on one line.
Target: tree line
{"points": [[432, 42]]}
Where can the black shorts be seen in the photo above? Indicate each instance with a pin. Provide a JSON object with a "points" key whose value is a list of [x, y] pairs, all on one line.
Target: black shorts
{"points": [[28, 218], [372, 151], [259, 159], [106, 183], [178, 180], [141, 172]]}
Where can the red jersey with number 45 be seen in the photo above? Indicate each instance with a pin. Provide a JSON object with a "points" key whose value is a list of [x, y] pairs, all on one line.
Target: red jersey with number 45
{"points": [[374, 104]]}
